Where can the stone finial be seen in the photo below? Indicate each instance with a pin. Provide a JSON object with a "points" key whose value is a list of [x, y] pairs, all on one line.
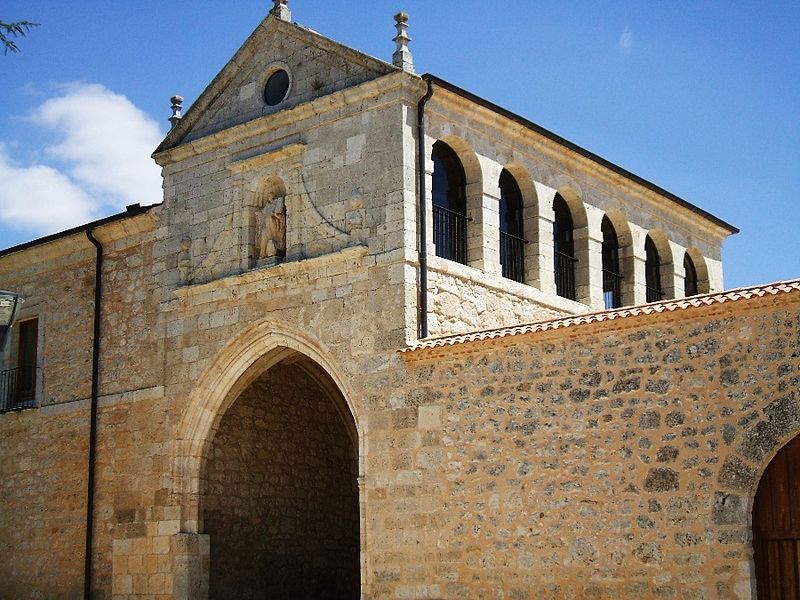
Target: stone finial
{"points": [[281, 10], [177, 106], [402, 55]]}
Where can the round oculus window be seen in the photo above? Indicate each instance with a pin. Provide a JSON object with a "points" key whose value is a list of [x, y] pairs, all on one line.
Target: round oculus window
{"points": [[276, 88]]}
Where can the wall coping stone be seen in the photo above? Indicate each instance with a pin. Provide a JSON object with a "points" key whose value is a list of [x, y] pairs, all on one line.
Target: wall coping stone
{"points": [[704, 300]]}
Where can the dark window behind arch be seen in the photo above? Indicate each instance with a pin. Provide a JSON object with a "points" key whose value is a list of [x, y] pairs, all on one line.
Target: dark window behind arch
{"points": [[512, 234], [690, 276], [652, 271], [564, 249], [449, 204], [612, 275]]}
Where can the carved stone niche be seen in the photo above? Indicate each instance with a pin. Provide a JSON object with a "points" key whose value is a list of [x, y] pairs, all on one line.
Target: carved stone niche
{"points": [[268, 221]]}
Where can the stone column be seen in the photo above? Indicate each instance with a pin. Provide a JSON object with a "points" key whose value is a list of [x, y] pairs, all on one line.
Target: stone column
{"points": [[672, 274], [589, 272], [638, 285], [715, 280], [164, 566], [191, 562], [429, 196], [483, 242], [539, 253], [476, 227]]}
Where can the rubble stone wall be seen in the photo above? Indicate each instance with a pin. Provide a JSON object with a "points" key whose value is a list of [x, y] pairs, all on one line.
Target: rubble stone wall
{"points": [[281, 505], [614, 459]]}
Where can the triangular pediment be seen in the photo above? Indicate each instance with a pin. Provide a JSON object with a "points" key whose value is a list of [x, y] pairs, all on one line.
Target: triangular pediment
{"points": [[317, 66]]}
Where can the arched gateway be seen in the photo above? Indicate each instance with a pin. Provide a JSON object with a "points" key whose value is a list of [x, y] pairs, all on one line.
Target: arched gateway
{"points": [[776, 526], [268, 467]]}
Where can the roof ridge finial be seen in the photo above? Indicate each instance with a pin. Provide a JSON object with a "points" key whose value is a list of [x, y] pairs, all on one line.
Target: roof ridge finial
{"points": [[281, 10], [177, 106], [402, 55]]}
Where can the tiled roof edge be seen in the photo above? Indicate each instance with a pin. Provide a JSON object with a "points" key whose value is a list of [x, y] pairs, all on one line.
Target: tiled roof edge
{"points": [[780, 287], [132, 210]]}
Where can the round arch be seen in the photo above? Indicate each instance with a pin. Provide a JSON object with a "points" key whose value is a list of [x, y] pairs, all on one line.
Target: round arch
{"points": [[776, 523], [571, 245], [660, 272], [701, 268], [251, 353], [469, 159], [625, 255], [523, 179], [575, 204], [741, 473], [458, 236]]}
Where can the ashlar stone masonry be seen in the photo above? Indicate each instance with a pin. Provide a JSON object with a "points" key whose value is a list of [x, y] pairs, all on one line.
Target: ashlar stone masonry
{"points": [[270, 423]]}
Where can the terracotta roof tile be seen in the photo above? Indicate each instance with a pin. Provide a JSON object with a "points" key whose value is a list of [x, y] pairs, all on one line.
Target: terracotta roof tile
{"points": [[781, 287]]}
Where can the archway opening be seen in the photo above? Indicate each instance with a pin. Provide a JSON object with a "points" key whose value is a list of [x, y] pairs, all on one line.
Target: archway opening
{"points": [[280, 492], [449, 204], [652, 271], [776, 526], [512, 234], [564, 249], [612, 273], [690, 287]]}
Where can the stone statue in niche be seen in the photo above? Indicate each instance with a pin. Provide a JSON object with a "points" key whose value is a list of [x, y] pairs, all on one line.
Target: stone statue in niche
{"points": [[271, 229]]}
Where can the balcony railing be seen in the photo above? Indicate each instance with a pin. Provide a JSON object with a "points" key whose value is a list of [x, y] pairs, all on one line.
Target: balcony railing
{"points": [[17, 388], [654, 294], [512, 256], [565, 275], [612, 289], [450, 234]]}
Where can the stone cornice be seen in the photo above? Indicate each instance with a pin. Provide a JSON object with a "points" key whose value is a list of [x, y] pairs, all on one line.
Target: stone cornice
{"points": [[261, 160], [346, 99], [237, 284]]}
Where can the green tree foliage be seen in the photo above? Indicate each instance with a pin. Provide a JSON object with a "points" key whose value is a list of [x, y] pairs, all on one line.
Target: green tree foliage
{"points": [[14, 30]]}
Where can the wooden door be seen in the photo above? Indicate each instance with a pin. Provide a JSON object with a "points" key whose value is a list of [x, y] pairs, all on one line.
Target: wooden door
{"points": [[776, 526]]}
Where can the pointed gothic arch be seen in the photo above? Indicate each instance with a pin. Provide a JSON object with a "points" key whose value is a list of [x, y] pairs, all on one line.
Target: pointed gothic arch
{"points": [[256, 349], [270, 354]]}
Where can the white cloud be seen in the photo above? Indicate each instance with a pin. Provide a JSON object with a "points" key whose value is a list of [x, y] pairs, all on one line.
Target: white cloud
{"points": [[625, 42], [97, 163], [40, 199]]}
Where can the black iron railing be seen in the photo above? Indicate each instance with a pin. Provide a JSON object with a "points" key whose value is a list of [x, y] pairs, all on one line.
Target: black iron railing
{"points": [[17, 388], [654, 294], [565, 275], [612, 289], [512, 256], [450, 234]]}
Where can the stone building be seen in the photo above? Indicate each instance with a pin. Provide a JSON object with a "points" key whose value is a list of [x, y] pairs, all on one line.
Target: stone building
{"points": [[385, 339]]}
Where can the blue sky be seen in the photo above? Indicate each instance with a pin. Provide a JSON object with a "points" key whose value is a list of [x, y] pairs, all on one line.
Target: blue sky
{"points": [[701, 98]]}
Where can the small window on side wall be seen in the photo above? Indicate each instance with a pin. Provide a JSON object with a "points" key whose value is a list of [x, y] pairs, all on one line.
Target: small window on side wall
{"points": [[18, 384]]}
